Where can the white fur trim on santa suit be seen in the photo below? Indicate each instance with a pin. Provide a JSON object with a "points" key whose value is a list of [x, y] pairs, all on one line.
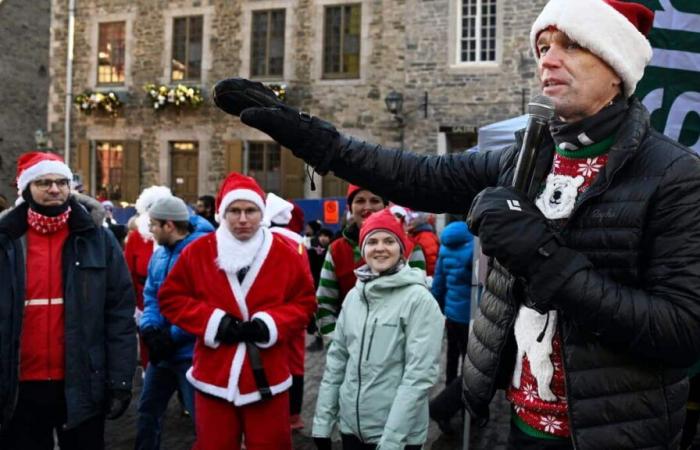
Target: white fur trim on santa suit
{"points": [[603, 30], [240, 292], [271, 327], [213, 328], [40, 169], [286, 232], [240, 194]]}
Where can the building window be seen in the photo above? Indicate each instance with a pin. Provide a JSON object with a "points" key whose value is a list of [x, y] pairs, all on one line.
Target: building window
{"points": [[477, 31], [187, 48], [264, 164], [110, 53], [267, 43], [341, 41], [109, 162]]}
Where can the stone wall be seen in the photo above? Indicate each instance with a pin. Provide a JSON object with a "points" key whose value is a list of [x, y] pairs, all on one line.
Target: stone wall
{"points": [[404, 48], [24, 64]]}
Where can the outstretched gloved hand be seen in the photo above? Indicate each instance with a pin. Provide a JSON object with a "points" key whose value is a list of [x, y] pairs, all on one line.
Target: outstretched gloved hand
{"points": [[309, 138]]}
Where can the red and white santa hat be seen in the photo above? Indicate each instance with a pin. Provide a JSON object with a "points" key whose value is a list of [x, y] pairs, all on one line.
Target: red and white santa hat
{"points": [[613, 30], [34, 165], [383, 220], [239, 187]]}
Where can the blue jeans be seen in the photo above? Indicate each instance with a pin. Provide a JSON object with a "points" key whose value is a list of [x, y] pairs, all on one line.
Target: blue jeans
{"points": [[159, 384]]}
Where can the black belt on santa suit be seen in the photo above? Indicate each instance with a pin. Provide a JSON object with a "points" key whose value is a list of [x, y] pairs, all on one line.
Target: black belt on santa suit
{"points": [[258, 370]]}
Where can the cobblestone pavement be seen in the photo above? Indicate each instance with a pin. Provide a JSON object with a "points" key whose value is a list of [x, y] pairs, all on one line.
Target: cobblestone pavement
{"points": [[178, 431]]}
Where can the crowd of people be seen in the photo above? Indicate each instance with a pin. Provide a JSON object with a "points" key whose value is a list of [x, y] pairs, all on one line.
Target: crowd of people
{"points": [[588, 319]]}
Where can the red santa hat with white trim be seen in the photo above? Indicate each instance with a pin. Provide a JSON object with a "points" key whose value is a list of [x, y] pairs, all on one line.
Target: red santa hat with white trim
{"points": [[613, 30], [34, 165], [239, 187]]}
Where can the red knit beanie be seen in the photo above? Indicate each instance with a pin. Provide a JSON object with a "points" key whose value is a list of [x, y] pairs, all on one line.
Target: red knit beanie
{"points": [[383, 220]]}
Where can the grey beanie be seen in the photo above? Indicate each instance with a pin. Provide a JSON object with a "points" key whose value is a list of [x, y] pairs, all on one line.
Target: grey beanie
{"points": [[169, 208]]}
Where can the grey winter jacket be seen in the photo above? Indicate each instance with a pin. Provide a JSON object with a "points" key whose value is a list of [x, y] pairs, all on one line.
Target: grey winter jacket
{"points": [[625, 286], [382, 362], [100, 334]]}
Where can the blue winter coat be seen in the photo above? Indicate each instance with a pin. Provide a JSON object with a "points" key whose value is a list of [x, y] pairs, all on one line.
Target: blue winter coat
{"points": [[161, 263], [453, 272]]}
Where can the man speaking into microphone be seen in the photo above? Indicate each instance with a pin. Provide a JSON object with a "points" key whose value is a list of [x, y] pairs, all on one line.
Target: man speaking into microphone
{"points": [[591, 313]]}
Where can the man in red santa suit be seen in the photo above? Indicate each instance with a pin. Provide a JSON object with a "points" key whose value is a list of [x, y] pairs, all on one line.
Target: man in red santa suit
{"points": [[243, 294]]}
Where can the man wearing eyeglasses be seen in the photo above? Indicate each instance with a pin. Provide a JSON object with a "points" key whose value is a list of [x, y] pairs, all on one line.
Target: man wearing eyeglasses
{"points": [[67, 335]]}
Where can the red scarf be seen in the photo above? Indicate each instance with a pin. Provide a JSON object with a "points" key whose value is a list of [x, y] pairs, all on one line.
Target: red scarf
{"points": [[45, 224]]}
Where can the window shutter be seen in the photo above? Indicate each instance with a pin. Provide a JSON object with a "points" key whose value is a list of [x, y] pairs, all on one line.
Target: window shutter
{"points": [[292, 175], [83, 163], [233, 157], [131, 174]]}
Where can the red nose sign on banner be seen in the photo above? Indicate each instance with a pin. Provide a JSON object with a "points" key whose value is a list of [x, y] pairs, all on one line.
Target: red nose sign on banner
{"points": [[330, 211]]}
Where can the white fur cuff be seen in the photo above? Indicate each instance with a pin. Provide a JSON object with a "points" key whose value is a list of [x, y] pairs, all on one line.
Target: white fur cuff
{"points": [[213, 328], [271, 327]]}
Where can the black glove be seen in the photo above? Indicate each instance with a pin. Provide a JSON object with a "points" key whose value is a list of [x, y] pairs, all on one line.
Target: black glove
{"points": [[236, 94], [117, 402], [323, 443], [159, 342], [512, 229], [232, 330], [309, 138]]}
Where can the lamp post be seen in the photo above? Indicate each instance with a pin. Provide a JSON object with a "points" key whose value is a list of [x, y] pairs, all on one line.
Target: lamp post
{"points": [[394, 104]]}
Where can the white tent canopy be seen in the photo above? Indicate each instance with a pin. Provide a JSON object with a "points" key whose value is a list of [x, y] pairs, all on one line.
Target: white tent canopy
{"points": [[498, 135]]}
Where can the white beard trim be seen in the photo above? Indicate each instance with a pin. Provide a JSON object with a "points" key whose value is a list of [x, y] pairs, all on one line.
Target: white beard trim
{"points": [[232, 254], [528, 326], [559, 196]]}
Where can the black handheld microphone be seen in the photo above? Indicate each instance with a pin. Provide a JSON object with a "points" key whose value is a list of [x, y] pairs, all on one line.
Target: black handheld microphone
{"points": [[540, 111]]}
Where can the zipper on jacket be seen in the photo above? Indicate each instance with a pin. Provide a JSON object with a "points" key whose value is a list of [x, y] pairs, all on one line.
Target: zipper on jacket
{"points": [[371, 339], [359, 367]]}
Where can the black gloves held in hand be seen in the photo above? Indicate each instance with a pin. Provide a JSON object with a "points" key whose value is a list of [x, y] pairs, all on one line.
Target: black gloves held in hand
{"points": [[117, 402], [512, 230], [232, 330], [159, 342], [323, 443]]}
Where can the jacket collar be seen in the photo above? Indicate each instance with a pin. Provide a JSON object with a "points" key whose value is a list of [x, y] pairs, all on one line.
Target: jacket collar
{"points": [[14, 223]]}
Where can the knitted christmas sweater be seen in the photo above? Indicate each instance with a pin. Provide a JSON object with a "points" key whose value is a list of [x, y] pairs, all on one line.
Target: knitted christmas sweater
{"points": [[538, 391]]}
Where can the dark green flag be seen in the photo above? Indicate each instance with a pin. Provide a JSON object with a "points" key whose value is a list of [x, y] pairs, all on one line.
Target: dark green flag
{"points": [[670, 88]]}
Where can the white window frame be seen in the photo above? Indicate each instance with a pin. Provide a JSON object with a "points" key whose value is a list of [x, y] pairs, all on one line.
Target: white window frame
{"points": [[455, 37]]}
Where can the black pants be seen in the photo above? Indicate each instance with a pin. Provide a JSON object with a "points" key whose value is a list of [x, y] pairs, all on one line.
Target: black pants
{"points": [[41, 409], [517, 440], [296, 394], [457, 334], [351, 442]]}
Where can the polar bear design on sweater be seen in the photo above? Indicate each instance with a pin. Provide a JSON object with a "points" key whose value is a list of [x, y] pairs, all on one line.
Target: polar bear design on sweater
{"points": [[556, 202]]}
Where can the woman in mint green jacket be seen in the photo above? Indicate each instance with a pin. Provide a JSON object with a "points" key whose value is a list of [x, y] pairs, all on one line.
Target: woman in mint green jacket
{"points": [[384, 356]]}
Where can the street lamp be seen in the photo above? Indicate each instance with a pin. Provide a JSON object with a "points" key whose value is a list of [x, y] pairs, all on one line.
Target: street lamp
{"points": [[394, 104]]}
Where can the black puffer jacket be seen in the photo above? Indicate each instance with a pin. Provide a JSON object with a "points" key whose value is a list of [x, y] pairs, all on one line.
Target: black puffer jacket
{"points": [[628, 293], [100, 334]]}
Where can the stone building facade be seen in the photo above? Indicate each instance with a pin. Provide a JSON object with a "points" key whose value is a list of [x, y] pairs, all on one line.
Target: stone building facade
{"points": [[413, 47], [24, 68]]}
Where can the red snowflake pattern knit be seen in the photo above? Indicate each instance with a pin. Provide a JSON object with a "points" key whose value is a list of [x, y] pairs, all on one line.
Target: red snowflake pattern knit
{"points": [[569, 178], [45, 224]]}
